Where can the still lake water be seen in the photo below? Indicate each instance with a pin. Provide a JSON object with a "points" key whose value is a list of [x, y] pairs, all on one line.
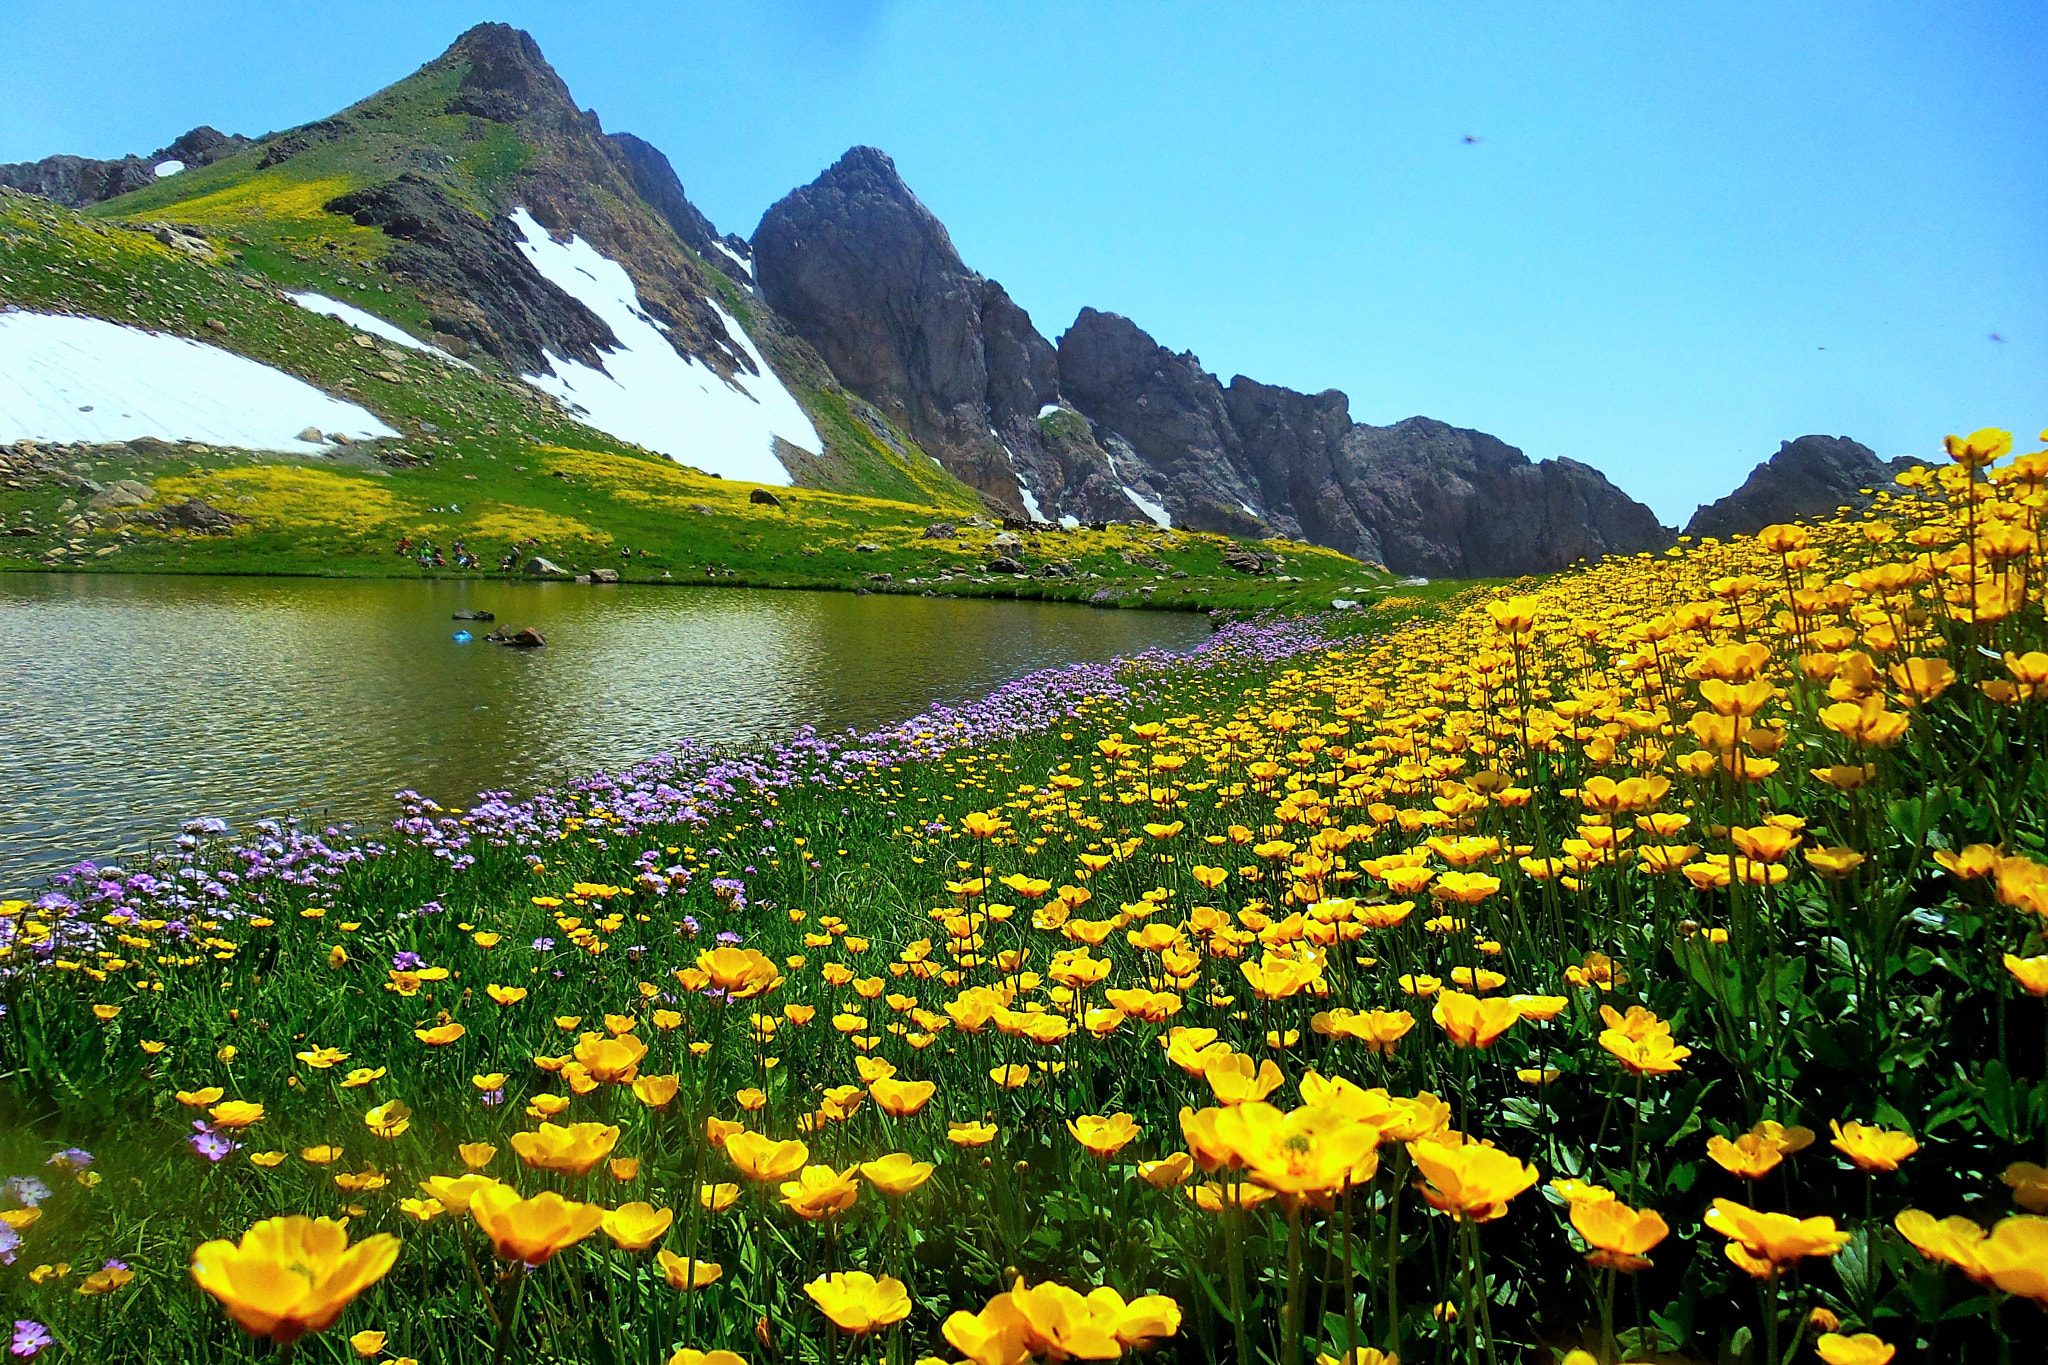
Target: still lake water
{"points": [[130, 705]]}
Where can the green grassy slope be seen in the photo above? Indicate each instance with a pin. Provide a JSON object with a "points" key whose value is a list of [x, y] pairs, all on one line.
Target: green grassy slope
{"points": [[269, 201]]}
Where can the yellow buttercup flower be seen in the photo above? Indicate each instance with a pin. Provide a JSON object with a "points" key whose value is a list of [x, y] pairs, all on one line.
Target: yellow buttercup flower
{"points": [[896, 1174], [686, 1275], [291, 1276], [1872, 1148], [763, 1159], [1468, 1180], [1103, 1137], [857, 1303], [637, 1226], [531, 1231], [572, 1150], [820, 1192], [1764, 1244]]}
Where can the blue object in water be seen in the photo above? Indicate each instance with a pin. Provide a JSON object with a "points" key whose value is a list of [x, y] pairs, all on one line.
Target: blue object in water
{"points": [[462, 637]]}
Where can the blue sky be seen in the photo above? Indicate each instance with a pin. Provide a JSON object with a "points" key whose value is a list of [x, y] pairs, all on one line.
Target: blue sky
{"points": [[1684, 233]]}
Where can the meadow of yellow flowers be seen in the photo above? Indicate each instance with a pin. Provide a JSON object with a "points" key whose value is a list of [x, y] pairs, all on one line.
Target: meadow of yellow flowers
{"points": [[1640, 964]]}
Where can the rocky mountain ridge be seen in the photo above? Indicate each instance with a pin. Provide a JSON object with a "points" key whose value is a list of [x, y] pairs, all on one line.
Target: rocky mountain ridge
{"points": [[75, 181], [860, 301], [1110, 424]]}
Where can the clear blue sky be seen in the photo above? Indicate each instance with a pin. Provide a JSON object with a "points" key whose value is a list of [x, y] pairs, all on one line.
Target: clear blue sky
{"points": [[1686, 232]]}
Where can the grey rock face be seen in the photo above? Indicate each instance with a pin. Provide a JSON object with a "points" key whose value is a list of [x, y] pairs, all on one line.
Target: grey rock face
{"points": [[1811, 476], [1419, 496], [864, 272], [76, 181], [1449, 502], [656, 180], [514, 312]]}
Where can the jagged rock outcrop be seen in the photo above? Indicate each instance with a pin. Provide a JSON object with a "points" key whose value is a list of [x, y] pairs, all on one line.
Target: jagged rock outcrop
{"points": [[1445, 501], [862, 270], [76, 181], [658, 184], [505, 306], [1809, 477], [1420, 496], [1112, 425]]}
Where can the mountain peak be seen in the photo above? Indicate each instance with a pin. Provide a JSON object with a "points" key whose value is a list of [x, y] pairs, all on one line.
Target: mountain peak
{"points": [[1810, 476], [507, 77], [865, 161]]}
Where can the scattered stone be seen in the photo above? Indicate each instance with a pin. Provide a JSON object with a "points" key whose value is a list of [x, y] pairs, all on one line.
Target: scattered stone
{"points": [[1244, 561], [474, 616], [121, 493], [1006, 544], [881, 578], [542, 567], [941, 530], [216, 325], [1412, 583], [700, 509], [526, 637], [312, 436], [763, 498], [867, 547], [604, 575], [1005, 564], [193, 516], [1342, 604]]}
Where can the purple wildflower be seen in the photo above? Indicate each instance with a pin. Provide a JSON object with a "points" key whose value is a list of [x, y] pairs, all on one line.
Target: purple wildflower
{"points": [[24, 1190], [211, 1143], [407, 961], [30, 1338]]}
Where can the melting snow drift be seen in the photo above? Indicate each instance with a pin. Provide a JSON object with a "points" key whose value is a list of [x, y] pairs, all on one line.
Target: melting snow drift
{"points": [[371, 323], [647, 392], [68, 378]]}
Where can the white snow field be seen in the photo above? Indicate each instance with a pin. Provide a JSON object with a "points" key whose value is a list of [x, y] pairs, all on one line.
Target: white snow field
{"points": [[371, 323], [66, 378], [649, 394]]}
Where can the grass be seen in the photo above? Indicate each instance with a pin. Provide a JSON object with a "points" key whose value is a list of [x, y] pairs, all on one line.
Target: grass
{"points": [[1469, 984]]}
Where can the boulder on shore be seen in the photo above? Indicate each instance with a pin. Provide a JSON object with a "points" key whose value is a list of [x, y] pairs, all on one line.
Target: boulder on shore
{"points": [[540, 566]]}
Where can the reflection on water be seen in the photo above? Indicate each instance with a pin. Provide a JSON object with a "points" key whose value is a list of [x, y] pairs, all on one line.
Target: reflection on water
{"points": [[129, 705]]}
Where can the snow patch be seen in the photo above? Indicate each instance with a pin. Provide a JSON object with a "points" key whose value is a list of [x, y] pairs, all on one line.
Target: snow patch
{"points": [[647, 392], [168, 168], [1049, 409], [1031, 507], [65, 378], [1249, 510], [1070, 522], [742, 262], [371, 323], [1147, 506], [1138, 500]]}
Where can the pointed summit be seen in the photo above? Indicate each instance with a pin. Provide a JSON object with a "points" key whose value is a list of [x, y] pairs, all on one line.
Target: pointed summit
{"points": [[506, 78]]}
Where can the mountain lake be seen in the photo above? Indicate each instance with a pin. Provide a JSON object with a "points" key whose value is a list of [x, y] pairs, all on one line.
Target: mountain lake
{"points": [[131, 705]]}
